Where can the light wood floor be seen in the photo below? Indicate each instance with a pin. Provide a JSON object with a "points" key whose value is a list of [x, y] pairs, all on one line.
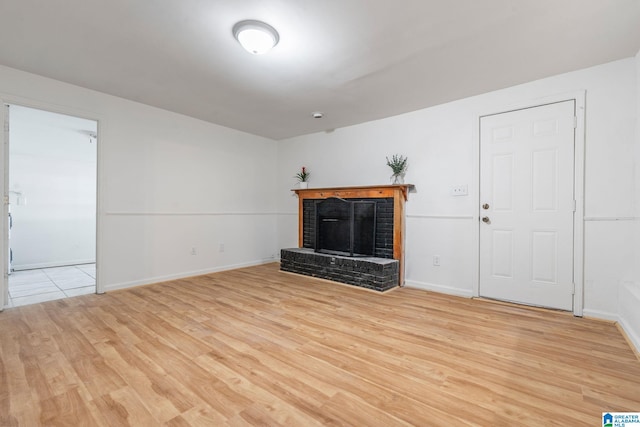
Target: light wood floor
{"points": [[259, 347]]}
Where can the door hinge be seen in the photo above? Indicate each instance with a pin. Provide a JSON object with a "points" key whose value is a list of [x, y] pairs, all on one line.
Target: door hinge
{"points": [[575, 122], [5, 199]]}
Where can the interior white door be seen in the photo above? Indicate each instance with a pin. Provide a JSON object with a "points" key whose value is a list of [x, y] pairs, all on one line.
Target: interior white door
{"points": [[527, 205]]}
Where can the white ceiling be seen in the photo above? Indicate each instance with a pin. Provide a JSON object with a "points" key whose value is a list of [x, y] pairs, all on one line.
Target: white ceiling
{"points": [[355, 60]]}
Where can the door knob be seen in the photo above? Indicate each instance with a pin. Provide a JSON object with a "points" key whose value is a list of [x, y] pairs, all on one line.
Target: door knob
{"points": [[486, 219], [485, 206]]}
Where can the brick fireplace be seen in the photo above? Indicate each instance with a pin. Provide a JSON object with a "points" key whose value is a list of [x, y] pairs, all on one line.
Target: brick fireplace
{"points": [[334, 224]]}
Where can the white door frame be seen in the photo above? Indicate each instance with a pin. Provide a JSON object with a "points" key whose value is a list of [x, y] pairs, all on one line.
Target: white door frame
{"points": [[578, 188], [6, 99], [4, 188]]}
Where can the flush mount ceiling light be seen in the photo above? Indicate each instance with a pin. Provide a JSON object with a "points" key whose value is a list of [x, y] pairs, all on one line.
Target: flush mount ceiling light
{"points": [[255, 36]]}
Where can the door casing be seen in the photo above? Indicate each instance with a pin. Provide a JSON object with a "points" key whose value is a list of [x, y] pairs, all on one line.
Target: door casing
{"points": [[4, 185], [4, 159], [578, 239]]}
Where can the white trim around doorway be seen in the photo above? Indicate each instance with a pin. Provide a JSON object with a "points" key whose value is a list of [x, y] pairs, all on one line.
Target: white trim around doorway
{"points": [[7, 99], [578, 222]]}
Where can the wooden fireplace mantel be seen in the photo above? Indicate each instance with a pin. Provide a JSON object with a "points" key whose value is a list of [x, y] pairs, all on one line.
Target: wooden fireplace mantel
{"points": [[398, 192]]}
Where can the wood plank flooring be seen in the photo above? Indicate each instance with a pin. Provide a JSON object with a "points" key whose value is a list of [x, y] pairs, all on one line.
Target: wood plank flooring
{"points": [[256, 346]]}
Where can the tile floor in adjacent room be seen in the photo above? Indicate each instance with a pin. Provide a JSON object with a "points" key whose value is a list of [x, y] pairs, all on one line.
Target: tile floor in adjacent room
{"points": [[46, 284]]}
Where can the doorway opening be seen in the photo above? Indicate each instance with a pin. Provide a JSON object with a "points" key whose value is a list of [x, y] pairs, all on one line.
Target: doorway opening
{"points": [[530, 225], [52, 194]]}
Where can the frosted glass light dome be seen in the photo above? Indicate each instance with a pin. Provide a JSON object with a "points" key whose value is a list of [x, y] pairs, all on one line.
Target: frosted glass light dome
{"points": [[255, 36]]}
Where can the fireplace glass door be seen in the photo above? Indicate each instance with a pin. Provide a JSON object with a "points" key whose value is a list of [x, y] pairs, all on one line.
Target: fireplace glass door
{"points": [[345, 227]]}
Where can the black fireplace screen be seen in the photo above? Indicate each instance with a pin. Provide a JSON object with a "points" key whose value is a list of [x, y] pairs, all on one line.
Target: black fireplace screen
{"points": [[345, 227]]}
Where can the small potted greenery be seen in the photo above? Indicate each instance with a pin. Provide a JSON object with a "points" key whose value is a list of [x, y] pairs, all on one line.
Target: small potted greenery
{"points": [[303, 178], [398, 165]]}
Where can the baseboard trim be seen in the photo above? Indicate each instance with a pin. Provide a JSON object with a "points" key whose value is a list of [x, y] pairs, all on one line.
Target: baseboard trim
{"points": [[449, 290], [52, 264], [625, 328], [632, 338], [158, 279], [628, 302], [598, 314]]}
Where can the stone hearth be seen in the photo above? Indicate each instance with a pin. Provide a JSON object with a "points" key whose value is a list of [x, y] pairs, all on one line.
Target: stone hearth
{"points": [[379, 274]]}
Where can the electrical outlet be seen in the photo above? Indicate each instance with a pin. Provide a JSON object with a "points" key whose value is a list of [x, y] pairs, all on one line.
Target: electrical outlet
{"points": [[193, 251], [460, 190], [436, 260]]}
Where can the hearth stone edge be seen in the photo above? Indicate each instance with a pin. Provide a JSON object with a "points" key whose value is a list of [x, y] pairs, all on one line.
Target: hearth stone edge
{"points": [[379, 274]]}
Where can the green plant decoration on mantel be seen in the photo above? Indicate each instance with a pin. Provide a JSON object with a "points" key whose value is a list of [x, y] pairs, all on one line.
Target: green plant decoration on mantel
{"points": [[303, 177], [398, 164]]}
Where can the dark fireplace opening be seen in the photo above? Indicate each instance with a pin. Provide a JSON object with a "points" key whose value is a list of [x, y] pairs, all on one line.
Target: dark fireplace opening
{"points": [[345, 227]]}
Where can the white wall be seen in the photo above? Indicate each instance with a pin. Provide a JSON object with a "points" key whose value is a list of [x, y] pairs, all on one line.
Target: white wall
{"points": [[629, 299], [53, 179], [167, 184], [441, 143]]}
